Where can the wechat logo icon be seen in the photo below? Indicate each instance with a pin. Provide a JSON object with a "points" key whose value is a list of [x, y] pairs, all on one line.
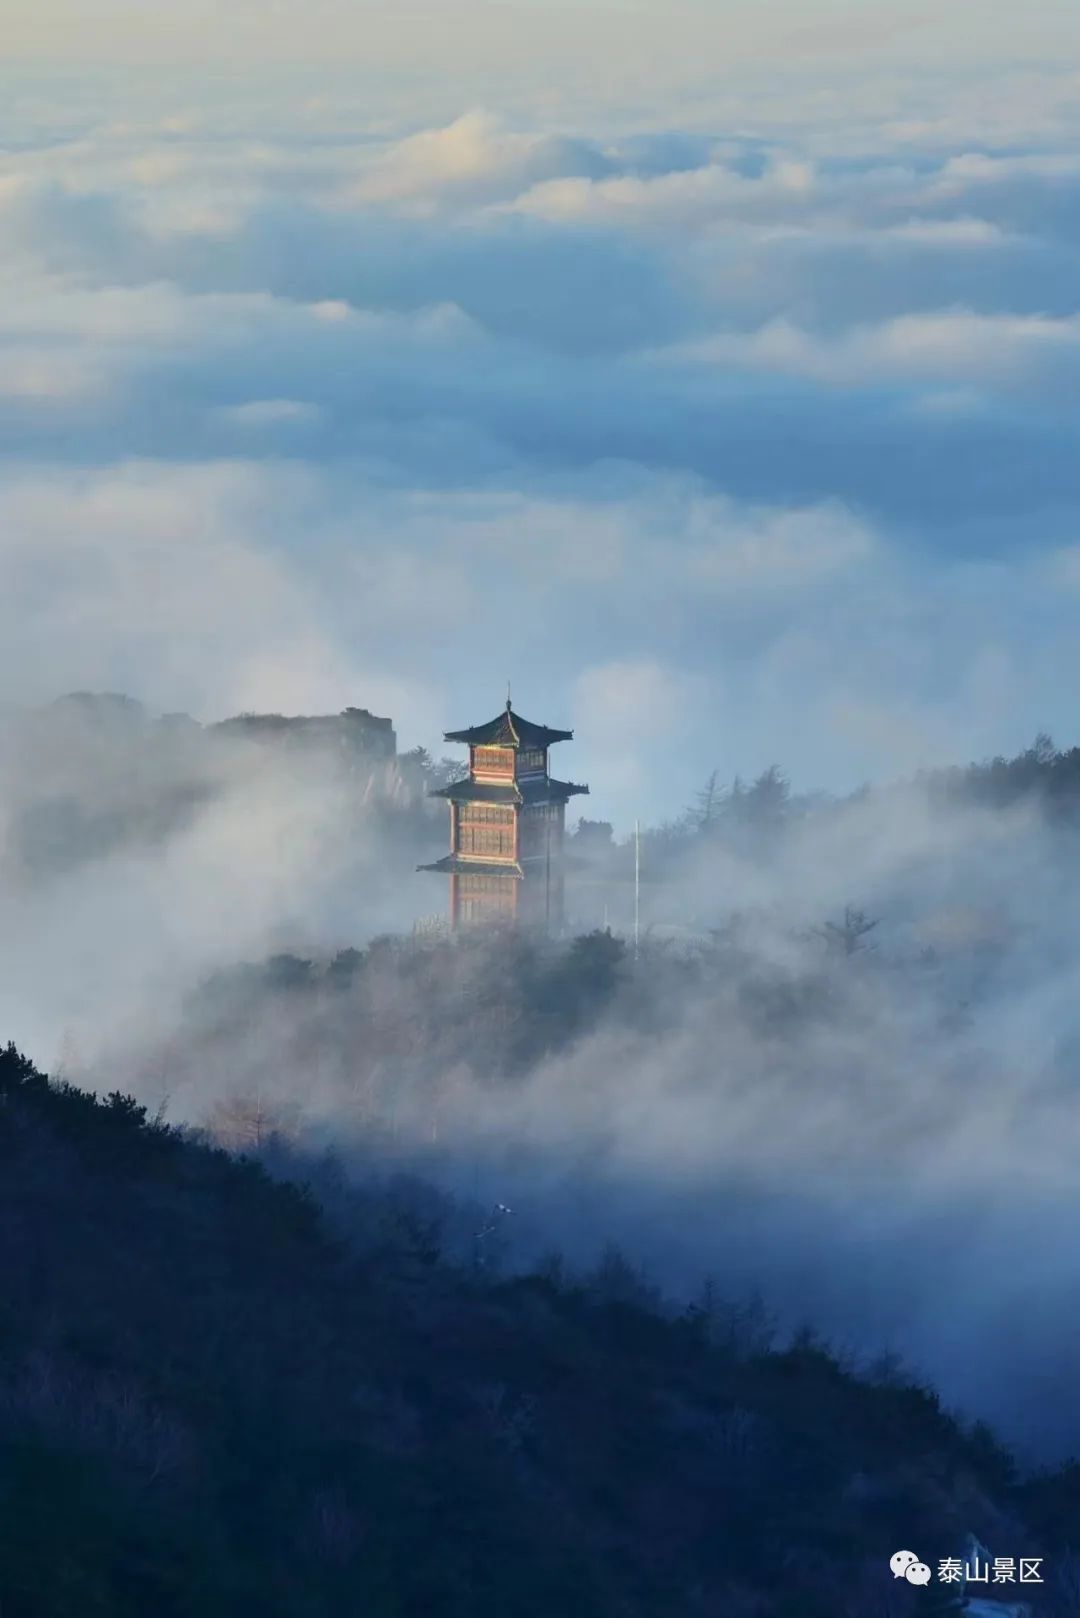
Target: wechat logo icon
{"points": [[906, 1565]]}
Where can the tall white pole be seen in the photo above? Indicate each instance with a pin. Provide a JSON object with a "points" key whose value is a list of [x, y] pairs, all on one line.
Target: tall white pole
{"points": [[547, 870], [637, 884]]}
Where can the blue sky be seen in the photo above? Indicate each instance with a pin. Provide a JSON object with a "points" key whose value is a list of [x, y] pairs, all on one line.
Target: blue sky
{"points": [[711, 372]]}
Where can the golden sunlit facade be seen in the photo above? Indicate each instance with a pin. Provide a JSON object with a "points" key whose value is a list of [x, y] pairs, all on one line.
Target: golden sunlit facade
{"points": [[507, 826]]}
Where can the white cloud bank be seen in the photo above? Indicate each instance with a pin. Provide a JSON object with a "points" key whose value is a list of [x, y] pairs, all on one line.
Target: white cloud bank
{"points": [[769, 394]]}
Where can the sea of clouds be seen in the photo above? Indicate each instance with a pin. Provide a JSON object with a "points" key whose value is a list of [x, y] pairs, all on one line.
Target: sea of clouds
{"points": [[735, 420]]}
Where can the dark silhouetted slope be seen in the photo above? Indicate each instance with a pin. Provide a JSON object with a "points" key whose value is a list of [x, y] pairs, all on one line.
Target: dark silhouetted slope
{"points": [[208, 1406]]}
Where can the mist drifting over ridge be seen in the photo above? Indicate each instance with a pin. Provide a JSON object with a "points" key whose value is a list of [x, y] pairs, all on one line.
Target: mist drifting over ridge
{"points": [[878, 1142]]}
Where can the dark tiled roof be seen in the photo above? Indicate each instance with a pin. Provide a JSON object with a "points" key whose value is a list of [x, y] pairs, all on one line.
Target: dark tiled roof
{"points": [[508, 729], [544, 789], [540, 789], [469, 791], [454, 865]]}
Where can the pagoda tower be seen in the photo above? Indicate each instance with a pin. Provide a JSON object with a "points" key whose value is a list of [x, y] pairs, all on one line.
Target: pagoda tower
{"points": [[507, 826]]}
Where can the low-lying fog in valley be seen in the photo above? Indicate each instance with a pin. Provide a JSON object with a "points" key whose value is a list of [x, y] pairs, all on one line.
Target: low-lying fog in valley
{"points": [[839, 1072]]}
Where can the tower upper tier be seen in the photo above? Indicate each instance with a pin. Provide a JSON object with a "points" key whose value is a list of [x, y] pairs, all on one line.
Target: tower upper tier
{"points": [[508, 729]]}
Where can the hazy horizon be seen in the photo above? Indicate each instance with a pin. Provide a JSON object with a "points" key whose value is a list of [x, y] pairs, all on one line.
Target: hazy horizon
{"points": [[707, 374]]}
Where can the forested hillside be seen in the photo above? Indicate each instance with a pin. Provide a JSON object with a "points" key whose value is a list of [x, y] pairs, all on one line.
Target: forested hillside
{"points": [[478, 1366], [209, 1404]]}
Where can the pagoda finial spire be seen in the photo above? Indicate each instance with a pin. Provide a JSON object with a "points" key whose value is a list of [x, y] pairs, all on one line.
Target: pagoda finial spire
{"points": [[508, 696]]}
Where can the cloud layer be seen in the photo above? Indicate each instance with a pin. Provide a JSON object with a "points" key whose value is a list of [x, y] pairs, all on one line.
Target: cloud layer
{"points": [[775, 402]]}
